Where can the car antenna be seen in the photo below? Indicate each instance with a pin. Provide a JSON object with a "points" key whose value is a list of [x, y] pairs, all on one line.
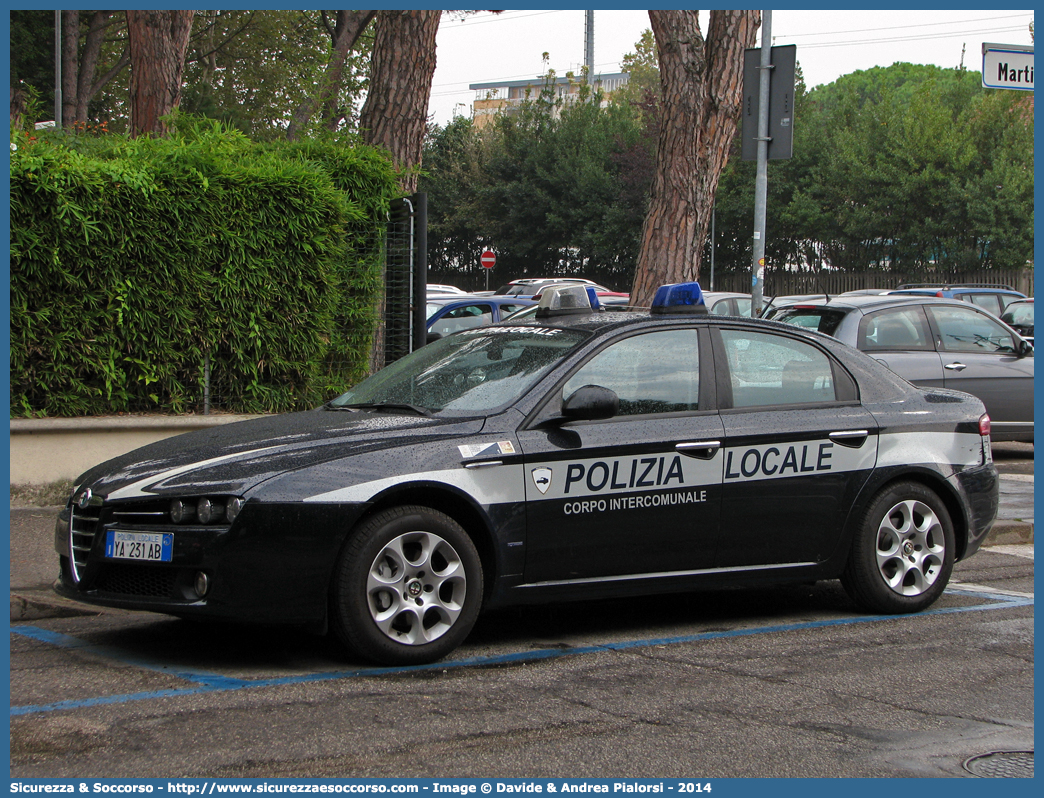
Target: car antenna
{"points": [[819, 280]]}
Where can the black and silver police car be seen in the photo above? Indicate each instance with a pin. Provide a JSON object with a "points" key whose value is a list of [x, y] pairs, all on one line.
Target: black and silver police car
{"points": [[578, 454]]}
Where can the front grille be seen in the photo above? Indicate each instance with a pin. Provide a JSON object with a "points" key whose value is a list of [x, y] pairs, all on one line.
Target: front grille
{"points": [[149, 514], [137, 580], [83, 526]]}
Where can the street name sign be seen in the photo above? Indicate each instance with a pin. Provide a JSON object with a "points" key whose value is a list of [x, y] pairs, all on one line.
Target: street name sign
{"points": [[781, 102], [1007, 66]]}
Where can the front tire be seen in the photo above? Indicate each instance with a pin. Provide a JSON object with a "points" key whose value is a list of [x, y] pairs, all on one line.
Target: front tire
{"points": [[407, 587], [903, 552]]}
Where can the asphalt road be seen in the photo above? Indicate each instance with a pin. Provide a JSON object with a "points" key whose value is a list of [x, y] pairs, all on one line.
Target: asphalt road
{"points": [[743, 683], [761, 683]]}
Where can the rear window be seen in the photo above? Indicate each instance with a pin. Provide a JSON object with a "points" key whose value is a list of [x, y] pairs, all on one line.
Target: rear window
{"points": [[824, 320], [896, 329]]}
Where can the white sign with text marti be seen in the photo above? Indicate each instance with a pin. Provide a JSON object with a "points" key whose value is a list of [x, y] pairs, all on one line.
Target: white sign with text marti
{"points": [[1007, 66]]}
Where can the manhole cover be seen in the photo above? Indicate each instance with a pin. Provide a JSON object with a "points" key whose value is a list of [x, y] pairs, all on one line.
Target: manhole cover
{"points": [[1002, 765]]}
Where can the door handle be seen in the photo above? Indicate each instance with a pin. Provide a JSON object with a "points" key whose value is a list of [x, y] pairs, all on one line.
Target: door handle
{"points": [[851, 438], [484, 464], [703, 450], [955, 366]]}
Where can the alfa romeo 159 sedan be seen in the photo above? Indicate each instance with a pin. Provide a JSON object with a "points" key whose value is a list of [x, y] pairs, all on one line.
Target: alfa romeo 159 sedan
{"points": [[576, 455]]}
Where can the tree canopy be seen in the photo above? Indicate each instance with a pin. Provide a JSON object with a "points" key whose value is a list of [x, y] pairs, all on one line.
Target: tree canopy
{"points": [[903, 169], [558, 188]]}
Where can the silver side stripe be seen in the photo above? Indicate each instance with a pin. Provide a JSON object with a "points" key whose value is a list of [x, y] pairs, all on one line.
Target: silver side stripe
{"points": [[491, 482], [487, 486], [138, 489], [959, 450], [665, 574]]}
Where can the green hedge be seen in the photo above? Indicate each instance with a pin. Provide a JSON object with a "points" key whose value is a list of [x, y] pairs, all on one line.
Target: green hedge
{"points": [[134, 263]]}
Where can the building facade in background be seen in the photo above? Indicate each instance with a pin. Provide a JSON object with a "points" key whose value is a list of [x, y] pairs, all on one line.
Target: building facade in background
{"points": [[505, 97]]}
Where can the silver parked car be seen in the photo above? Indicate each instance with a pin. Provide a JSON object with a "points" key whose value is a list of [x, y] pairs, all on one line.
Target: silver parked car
{"points": [[934, 342]]}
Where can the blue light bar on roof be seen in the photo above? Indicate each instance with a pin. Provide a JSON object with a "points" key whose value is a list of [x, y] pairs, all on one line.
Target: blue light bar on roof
{"points": [[679, 298], [592, 296], [563, 300]]}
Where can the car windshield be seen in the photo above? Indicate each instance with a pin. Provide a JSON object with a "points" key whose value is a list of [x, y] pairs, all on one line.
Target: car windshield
{"points": [[825, 320], [469, 373]]}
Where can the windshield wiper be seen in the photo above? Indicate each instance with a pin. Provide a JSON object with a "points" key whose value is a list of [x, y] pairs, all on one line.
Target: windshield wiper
{"points": [[391, 406]]}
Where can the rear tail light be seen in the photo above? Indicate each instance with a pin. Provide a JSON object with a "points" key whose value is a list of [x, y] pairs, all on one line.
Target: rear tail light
{"points": [[984, 425]]}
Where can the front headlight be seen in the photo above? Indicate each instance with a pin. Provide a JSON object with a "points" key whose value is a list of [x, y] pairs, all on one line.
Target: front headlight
{"points": [[181, 512], [232, 508], [209, 510], [205, 509]]}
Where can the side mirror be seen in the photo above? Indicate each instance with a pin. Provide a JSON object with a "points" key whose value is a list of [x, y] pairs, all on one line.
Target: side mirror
{"points": [[1023, 348], [591, 403]]}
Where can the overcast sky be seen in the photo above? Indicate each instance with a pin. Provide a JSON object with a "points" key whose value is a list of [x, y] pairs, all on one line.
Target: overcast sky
{"points": [[487, 47]]}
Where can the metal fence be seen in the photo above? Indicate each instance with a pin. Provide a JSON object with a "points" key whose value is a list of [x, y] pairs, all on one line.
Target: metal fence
{"points": [[786, 283], [402, 306], [405, 278]]}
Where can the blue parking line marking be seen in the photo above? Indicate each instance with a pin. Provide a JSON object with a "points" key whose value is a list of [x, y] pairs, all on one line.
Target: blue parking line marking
{"points": [[204, 682], [109, 652]]}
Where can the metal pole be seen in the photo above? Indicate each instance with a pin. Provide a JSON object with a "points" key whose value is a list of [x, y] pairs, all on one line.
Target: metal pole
{"points": [[57, 70], [206, 384], [589, 47], [714, 216], [761, 182], [420, 273]]}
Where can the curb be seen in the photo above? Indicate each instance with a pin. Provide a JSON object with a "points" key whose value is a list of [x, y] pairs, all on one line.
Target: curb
{"points": [[1009, 533], [38, 607]]}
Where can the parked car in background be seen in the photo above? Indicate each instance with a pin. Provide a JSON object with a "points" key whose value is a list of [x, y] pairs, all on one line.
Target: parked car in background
{"points": [[531, 286], [774, 302], [990, 296], [935, 343], [1019, 316], [451, 313], [604, 297], [435, 289], [727, 303]]}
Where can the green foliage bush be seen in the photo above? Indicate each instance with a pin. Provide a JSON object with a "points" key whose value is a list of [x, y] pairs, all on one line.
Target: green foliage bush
{"points": [[136, 262]]}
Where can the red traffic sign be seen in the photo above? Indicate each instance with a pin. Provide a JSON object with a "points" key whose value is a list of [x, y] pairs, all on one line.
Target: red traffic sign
{"points": [[488, 259]]}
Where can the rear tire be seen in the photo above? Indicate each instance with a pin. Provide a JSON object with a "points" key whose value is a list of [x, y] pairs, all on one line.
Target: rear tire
{"points": [[903, 552], [407, 588]]}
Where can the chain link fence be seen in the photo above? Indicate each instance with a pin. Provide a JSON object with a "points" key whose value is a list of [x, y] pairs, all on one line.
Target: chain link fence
{"points": [[787, 283], [401, 310]]}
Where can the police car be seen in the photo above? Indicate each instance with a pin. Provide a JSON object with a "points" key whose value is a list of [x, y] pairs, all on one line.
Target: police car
{"points": [[575, 455]]}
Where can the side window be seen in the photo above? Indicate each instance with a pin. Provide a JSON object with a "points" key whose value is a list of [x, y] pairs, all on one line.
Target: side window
{"points": [[721, 308], [463, 318], [967, 330], [991, 302], [901, 328], [744, 307], [768, 370], [658, 372]]}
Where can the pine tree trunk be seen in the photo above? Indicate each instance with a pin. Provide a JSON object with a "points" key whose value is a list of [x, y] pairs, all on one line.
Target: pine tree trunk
{"points": [[350, 26], [70, 66], [158, 42], [395, 114], [702, 87], [85, 88]]}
